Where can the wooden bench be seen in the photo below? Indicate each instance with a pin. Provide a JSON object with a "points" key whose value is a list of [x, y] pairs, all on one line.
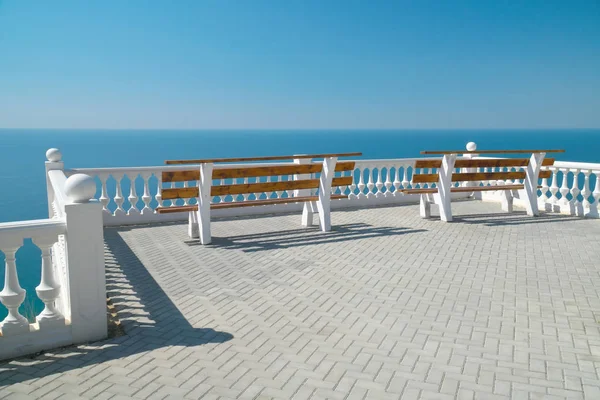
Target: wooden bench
{"points": [[446, 177], [302, 185]]}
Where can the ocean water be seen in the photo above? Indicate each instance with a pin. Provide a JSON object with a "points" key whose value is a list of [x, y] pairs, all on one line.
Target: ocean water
{"points": [[23, 186]]}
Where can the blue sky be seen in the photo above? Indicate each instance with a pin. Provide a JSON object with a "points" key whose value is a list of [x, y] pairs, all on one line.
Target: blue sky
{"points": [[299, 64]]}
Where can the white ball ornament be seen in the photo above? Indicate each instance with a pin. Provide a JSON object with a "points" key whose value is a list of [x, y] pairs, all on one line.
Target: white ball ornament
{"points": [[80, 188], [53, 155], [471, 146]]}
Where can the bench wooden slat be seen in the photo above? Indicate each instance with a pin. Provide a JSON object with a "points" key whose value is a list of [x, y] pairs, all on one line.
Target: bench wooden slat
{"points": [[487, 176], [465, 189], [483, 163], [477, 176], [224, 190], [226, 173], [249, 203], [269, 158], [492, 151]]}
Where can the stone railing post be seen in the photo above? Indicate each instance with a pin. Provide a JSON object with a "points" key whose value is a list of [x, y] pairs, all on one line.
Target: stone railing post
{"points": [[54, 157], [471, 146], [85, 260]]}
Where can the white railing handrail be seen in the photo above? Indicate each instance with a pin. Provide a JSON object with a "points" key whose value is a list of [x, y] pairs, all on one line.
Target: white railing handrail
{"points": [[58, 180], [19, 230], [577, 165]]}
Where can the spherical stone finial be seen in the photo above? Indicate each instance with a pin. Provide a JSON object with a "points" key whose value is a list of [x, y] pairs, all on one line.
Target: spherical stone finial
{"points": [[53, 155], [80, 188], [471, 146]]}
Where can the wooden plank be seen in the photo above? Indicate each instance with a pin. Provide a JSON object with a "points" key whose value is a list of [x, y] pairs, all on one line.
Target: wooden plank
{"points": [[428, 163], [492, 163], [181, 176], [268, 158], [179, 193], [345, 166], [169, 210], [465, 189], [545, 174], [483, 163], [487, 176], [342, 181], [226, 173], [248, 203], [224, 190], [491, 151], [419, 191], [486, 188], [425, 178]]}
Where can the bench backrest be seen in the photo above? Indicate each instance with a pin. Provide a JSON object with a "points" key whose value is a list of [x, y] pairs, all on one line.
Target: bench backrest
{"points": [[279, 176], [480, 163]]}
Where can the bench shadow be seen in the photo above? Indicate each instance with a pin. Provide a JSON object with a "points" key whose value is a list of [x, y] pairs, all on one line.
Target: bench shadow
{"points": [[151, 323], [514, 218], [303, 237]]}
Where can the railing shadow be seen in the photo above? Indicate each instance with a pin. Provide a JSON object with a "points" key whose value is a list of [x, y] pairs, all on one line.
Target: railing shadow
{"points": [[149, 317], [303, 237], [514, 218]]}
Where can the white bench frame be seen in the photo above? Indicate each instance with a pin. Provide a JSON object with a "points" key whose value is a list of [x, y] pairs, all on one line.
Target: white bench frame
{"points": [[199, 221], [443, 199]]}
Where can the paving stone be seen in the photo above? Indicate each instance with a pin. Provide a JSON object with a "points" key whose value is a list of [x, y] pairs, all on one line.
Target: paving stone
{"points": [[490, 306]]}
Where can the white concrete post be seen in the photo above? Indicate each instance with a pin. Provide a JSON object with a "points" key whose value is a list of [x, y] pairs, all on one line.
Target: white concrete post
{"points": [[54, 162], [307, 210], [324, 202], [85, 260], [204, 187], [471, 146]]}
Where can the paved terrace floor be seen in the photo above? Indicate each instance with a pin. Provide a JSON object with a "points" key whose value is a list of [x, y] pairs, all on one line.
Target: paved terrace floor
{"points": [[386, 306]]}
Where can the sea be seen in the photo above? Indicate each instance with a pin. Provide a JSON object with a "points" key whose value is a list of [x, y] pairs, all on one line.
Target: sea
{"points": [[22, 156]]}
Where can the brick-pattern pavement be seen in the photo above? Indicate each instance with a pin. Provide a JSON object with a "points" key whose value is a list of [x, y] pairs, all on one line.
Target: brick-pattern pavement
{"points": [[386, 306]]}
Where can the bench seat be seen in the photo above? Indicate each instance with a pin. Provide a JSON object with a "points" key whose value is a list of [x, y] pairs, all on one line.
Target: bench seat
{"points": [[247, 203]]}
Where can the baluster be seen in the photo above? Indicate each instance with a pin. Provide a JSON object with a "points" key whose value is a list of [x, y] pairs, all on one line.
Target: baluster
{"points": [[159, 189], [278, 193], [564, 188], [575, 190], [379, 183], [171, 186], [48, 290], [586, 192], [245, 195], [361, 184], [405, 181], [119, 196], [544, 189], [353, 186], [12, 296], [596, 193], [133, 197], [186, 201], [388, 181], [554, 186], [104, 200], [396, 181], [370, 184], [146, 196]]}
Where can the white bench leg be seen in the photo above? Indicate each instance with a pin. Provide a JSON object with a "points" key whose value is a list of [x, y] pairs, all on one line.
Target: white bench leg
{"points": [[308, 214], [444, 204], [425, 206], [324, 203], [204, 202], [193, 231], [507, 201]]}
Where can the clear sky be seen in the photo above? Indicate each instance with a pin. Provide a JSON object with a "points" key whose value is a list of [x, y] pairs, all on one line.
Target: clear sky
{"points": [[299, 64]]}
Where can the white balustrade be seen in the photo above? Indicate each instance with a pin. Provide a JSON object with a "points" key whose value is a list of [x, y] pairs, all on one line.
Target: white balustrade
{"points": [[72, 285]]}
